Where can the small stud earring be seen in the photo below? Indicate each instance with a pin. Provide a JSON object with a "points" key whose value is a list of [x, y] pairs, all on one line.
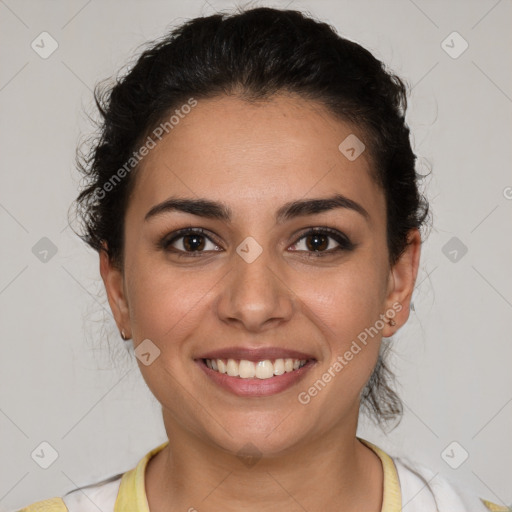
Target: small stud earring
{"points": [[392, 322], [123, 335]]}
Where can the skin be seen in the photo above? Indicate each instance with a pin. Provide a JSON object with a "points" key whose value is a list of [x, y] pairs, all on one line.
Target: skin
{"points": [[255, 157]]}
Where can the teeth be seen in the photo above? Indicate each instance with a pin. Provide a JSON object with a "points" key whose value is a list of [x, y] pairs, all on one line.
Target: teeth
{"points": [[264, 369], [232, 368], [279, 367], [220, 365], [246, 369], [261, 370]]}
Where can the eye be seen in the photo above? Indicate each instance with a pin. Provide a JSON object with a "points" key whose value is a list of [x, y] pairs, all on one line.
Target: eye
{"points": [[189, 242], [323, 240]]}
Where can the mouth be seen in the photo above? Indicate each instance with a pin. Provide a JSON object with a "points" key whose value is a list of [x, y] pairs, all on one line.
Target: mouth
{"points": [[255, 372], [245, 369]]}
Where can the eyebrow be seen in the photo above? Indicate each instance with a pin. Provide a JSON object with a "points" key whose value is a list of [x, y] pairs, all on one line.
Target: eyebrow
{"points": [[220, 211]]}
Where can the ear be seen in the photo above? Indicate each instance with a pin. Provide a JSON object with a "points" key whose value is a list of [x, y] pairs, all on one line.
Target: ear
{"points": [[114, 285], [402, 279]]}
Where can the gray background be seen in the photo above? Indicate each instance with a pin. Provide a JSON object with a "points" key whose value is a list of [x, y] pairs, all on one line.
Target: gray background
{"points": [[66, 376]]}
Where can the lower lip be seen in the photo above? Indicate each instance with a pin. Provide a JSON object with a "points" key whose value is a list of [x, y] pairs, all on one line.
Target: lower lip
{"points": [[256, 387]]}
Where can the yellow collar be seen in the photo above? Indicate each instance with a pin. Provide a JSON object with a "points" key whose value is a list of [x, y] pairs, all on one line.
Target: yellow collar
{"points": [[391, 496], [132, 491]]}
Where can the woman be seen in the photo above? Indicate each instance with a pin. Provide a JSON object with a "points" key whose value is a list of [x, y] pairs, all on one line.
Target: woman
{"points": [[255, 207]]}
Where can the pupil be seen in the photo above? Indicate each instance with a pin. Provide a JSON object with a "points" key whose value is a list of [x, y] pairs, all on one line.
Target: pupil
{"points": [[193, 242], [319, 242]]}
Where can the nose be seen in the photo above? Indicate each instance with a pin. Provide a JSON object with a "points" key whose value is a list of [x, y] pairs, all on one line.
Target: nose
{"points": [[254, 295]]}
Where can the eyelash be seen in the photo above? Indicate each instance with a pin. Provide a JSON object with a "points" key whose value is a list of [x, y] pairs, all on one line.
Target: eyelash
{"points": [[344, 243]]}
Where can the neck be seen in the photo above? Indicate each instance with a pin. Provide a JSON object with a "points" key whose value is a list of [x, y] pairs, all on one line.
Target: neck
{"points": [[333, 472]]}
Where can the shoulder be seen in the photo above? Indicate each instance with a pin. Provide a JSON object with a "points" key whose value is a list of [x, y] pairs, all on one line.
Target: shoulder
{"points": [[103, 494], [116, 490], [425, 490], [50, 505]]}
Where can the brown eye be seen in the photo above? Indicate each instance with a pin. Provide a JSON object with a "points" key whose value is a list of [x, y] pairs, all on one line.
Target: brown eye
{"points": [[323, 240], [317, 242], [188, 241], [193, 242]]}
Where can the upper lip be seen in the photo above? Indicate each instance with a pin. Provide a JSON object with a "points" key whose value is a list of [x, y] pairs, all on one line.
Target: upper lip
{"points": [[255, 354]]}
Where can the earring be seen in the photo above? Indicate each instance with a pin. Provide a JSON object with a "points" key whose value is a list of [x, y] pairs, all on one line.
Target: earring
{"points": [[123, 335], [392, 322]]}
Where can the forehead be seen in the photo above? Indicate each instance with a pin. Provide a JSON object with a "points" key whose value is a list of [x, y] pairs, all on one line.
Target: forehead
{"points": [[256, 155]]}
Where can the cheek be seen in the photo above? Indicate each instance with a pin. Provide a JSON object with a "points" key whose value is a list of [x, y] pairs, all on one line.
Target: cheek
{"points": [[347, 300], [165, 303]]}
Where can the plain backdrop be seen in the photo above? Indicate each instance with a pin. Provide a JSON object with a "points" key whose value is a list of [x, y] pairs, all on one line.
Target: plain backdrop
{"points": [[67, 378]]}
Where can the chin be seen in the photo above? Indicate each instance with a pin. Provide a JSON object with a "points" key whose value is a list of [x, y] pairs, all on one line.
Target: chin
{"points": [[259, 435]]}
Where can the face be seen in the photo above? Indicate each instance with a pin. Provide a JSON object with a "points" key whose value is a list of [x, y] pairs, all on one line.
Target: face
{"points": [[250, 281]]}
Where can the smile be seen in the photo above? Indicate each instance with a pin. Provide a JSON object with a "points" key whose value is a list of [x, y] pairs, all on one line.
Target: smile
{"points": [[256, 378], [265, 369]]}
